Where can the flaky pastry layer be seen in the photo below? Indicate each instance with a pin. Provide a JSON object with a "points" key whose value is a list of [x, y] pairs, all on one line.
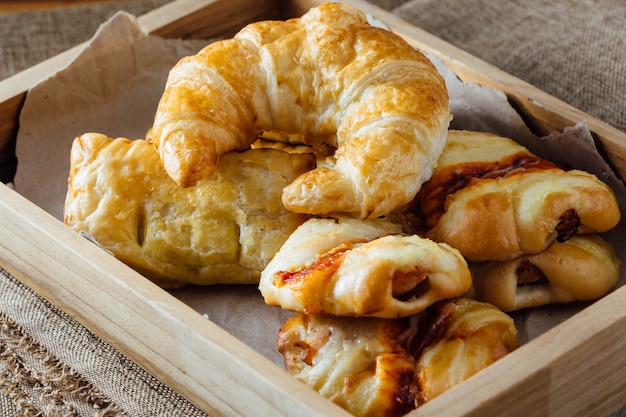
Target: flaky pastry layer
{"points": [[329, 77], [492, 199], [355, 267], [223, 230], [387, 367], [584, 268]]}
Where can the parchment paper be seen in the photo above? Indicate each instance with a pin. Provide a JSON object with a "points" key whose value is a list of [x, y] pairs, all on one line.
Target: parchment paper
{"points": [[113, 87]]}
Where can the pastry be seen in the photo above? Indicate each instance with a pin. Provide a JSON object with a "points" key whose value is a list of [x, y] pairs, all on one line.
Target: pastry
{"points": [[387, 367], [354, 267], [471, 336], [492, 199], [223, 230], [584, 268], [330, 78]]}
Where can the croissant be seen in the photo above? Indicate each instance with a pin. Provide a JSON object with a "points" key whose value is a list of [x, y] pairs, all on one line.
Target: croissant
{"points": [[387, 367], [223, 230], [584, 268], [492, 199], [357, 267], [331, 78]]}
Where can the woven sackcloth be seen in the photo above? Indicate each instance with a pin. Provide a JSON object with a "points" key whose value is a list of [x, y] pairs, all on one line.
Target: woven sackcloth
{"points": [[50, 365], [574, 50]]}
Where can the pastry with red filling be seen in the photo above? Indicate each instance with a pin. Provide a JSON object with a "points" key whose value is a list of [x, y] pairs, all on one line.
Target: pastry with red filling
{"points": [[492, 199], [350, 267], [387, 367]]}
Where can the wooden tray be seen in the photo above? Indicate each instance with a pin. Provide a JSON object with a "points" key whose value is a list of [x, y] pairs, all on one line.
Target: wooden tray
{"points": [[578, 367]]}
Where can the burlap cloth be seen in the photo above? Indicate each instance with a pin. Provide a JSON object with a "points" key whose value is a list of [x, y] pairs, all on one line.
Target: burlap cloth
{"points": [[52, 366]]}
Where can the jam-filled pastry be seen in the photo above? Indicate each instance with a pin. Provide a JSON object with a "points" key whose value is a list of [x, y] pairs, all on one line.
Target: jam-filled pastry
{"points": [[329, 77], [493, 200], [582, 269], [356, 267], [223, 230], [387, 367]]}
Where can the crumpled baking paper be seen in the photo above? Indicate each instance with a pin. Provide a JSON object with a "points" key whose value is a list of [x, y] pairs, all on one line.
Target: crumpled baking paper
{"points": [[113, 87]]}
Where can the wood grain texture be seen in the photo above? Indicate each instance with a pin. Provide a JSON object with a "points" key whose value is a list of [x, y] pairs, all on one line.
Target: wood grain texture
{"points": [[200, 360]]}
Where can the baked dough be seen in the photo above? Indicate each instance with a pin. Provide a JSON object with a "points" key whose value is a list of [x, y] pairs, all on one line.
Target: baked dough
{"points": [[474, 336], [387, 367], [493, 200], [223, 230], [329, 77], [582, 269], [356, 267]]}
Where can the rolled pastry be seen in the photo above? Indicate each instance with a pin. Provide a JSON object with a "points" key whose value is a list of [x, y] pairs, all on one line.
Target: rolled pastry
{"points": [[353, 267], [472, 337], [582, 269], [387, 367], [223, 230], [492, 199], [332, 79]]}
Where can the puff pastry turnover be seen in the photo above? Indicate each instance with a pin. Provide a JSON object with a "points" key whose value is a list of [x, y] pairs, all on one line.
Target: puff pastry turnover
{"points": [[361, 268], [223, 230], [329, 77], [582, 269], [387, 367], [493, 200]]}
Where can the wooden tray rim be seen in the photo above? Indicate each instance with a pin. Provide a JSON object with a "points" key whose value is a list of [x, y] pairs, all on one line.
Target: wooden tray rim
{"points": [[63, 267]]}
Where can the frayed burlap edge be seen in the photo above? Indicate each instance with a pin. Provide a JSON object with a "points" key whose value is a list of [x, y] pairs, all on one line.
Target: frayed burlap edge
{"points": [[39, 384], [36, 336]]}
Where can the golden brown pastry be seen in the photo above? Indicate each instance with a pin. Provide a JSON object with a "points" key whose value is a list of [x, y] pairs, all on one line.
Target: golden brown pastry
{"points": [[353, 267], [473, 335], [330, 78], [582, 269], [492, 200], [223, 230], [387, 367]]}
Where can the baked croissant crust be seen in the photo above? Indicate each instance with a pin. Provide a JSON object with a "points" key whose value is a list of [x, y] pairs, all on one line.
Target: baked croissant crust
{"points": [[492, 199], [223, 230], [356, 267], [387, 367], [584, 268], [331, 78]]}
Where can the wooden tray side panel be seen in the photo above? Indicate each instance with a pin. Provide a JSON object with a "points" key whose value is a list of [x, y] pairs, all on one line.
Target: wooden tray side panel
{"points": [[207, 18], [9, 114], [12, 95], [561, 373], [556, 374], [194, 356]]}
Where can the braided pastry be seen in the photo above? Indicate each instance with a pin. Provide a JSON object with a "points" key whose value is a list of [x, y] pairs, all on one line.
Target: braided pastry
{"points": [[328, 76]]}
